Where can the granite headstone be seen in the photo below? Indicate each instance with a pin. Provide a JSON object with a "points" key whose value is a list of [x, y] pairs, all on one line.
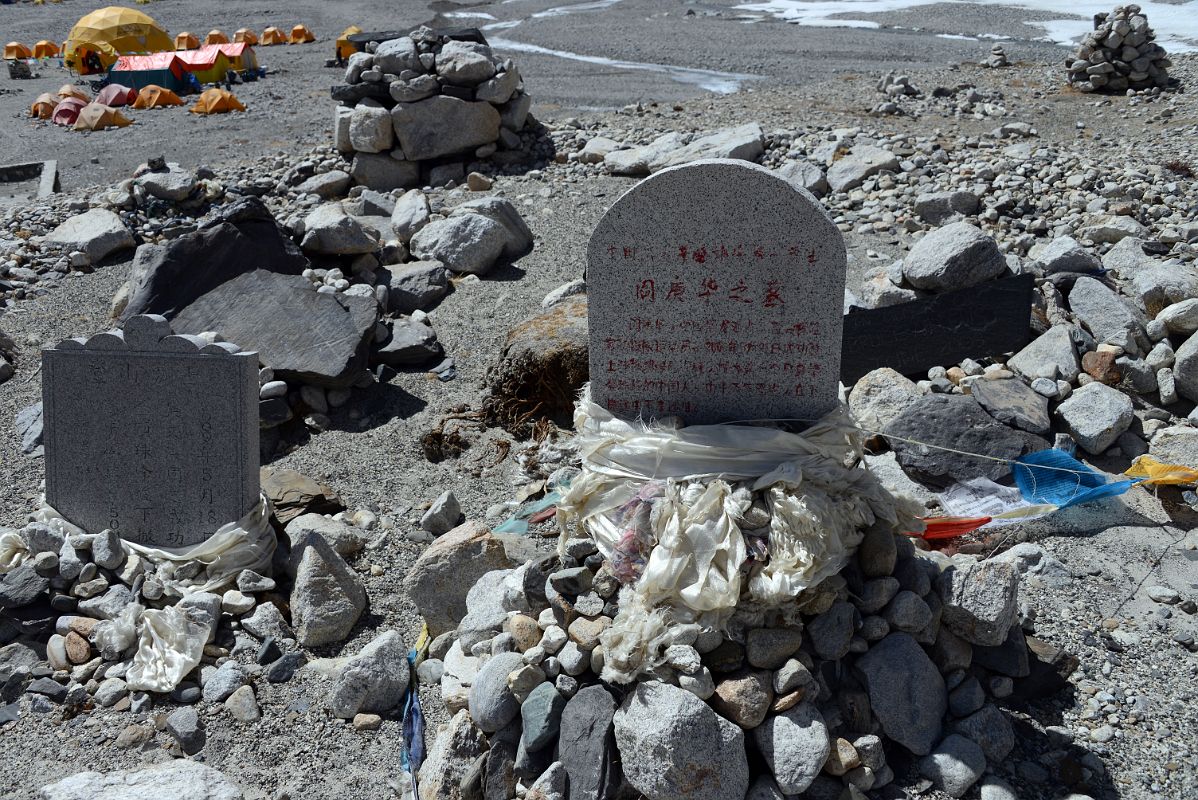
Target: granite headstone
{"points": [[715, 292], [150, 434]]}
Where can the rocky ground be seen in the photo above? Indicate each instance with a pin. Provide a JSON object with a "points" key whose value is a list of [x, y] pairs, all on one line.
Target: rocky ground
{"points": [[1040, 162]]}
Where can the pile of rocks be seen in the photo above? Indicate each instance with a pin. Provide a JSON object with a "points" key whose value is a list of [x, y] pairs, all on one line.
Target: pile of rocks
{"points": [[416, 109], [1119, 55], [83, 591], [903, 653], [998, 57]]}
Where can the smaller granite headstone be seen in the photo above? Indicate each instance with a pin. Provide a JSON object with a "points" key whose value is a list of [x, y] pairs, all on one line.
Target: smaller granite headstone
{"points": [[150, 434], [715, 294]]}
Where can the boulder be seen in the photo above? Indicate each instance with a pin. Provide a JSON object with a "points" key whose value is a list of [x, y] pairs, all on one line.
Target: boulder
{"points": [[941, 207], [441, 126], [587, 745], [411, 213], [906, 692], [173, 778], [397, 55], [499, 89], [979, 600], [879, 397], [458, 745], [98, 232], [1185, 368], [540, 370], [327, 185], [954, 766], [957, 422], [439, 580], [795, 745], [465, 63], [329, 230], [1012, 402], [862, 162], [1066, 255], [416, 285], [1111, 228], [1051, 355], [804, 175], [28, 426], [384, 172], [744, 142], [373, 681], [519, 237], [492, 703], [1153, 284], [292, 493], [328, 596], [172, 184], [596, 149], [238, 238], [467, 243], [1102, 311], [956, 256], [370, 128], [304, 336], [346, 540], [1176, 445], [1095, 415], [409, 343], [673, 746]]}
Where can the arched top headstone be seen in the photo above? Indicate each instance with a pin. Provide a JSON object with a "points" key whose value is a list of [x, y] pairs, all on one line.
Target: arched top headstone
{"points": [[715, 293]]}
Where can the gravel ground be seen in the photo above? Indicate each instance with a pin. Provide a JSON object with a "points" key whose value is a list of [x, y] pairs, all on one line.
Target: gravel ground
{"points": [[372, 456]]}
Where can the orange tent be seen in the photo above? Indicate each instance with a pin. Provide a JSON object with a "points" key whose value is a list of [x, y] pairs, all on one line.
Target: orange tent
{"points": [[245, 35], [43, 107], [273, 35], [115, 95], [216, 101], [154, 96], [45, 49], [301, 35], [344, 48], [97, 117], [16, 50], [71, 90], [216, 37], [186, 41], [66, 112]]}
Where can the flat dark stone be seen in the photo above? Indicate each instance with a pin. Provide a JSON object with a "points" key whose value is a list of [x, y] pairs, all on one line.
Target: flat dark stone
{"points": [[22, 586], [990, 318], [355, 92], [9, 712], [587, 745], [284, 669], [959, 423], [1012, 402], [48, 687]]}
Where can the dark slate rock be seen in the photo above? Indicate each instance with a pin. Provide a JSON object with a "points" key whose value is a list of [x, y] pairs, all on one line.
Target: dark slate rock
{"points": [[587, 746], [411, 343], [48, 687], [912, 337], [185, 725], [959, 423], [991, 730], [541, 713], [269, 651], [906, 692], [350, 94], [305, 336], [240, 237], [29, 428], [9, 712], [186, 693], [499, 782], [22, 586], [1009, 658], [1012, 402], [274, 411]]}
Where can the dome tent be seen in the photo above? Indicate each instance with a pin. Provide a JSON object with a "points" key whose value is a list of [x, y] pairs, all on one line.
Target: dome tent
{"points": [[273, 35], [43, 107], [216, 37], [66, 112], [186, 41], [245, 35], [71, 90], [216, 101], [14, 50], [301, 35], [114, 95], [345, 48], [98, 38], [98, 117], [45, 49], [153, 96]]}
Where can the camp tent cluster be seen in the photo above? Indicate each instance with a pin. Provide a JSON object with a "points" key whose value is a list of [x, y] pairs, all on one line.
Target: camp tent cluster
{"points": [[101, 37]]}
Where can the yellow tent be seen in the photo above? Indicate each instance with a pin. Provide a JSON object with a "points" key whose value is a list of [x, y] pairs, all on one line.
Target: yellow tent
{"points": [[186, 41], [216, 37], [43, 106], [99, 37], [45, 49], [273, 35], [97, 117], [16, 50], [216, 101], [208, 64], [245, 35], [71, 90], [154, 96], [344, 48], [301, 35]]}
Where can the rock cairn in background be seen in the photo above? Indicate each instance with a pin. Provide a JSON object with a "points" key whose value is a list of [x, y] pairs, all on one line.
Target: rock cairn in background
{"points": [[998, 57], [416, 109], [903, 654], [1119, 54]]}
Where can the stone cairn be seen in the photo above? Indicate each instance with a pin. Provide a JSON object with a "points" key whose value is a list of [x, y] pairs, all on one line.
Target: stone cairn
{"points": [[415, 109], [1119, 55], [902, 654], [998, 57]]}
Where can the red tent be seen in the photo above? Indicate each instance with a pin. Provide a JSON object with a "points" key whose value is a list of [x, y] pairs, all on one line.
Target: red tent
{"points": [[66, 112], [159, 69], [115, 95]]}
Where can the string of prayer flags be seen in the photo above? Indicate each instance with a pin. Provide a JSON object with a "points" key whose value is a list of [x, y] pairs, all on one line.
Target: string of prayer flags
{"points": [[1158, 473], [1054, 477]]}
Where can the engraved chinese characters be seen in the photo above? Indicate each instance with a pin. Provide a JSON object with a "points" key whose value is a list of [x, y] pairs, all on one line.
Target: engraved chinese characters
{"points": [[715, 292], [151, 435]]}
